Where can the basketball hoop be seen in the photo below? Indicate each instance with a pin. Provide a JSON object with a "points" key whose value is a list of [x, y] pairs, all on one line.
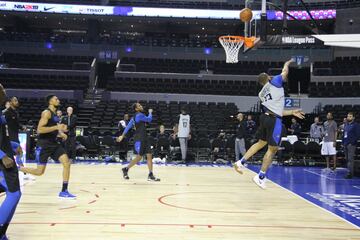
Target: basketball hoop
{"points": [[232, 45]]}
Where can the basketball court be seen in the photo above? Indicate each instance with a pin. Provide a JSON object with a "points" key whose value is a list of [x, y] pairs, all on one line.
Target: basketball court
{"points": [[194, 202]]}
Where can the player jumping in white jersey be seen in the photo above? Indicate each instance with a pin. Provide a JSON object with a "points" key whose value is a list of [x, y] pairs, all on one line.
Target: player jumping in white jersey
{"points": [[270, 130]]}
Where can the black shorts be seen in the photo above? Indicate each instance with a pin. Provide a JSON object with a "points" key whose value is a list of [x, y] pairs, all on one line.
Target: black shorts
{"points": [[46, 149], [9, 179], [270, 129], [142, 147]]}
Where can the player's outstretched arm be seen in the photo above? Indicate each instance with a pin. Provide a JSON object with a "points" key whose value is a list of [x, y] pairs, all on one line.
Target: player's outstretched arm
{"points": [[295, 112], [127, 129], [285, 70]]}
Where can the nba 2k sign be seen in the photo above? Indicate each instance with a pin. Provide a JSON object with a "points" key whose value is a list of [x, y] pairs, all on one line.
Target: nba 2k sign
{"points": [[298, 40], [26, 7]]}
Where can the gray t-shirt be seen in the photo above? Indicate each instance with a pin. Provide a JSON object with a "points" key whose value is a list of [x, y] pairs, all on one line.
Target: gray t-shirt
{"points": [[330, 130]]}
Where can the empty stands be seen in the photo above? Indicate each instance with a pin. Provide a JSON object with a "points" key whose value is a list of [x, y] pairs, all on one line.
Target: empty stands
{"points": [[44, 81], [334, 89], [184, 86], [47, 61]]}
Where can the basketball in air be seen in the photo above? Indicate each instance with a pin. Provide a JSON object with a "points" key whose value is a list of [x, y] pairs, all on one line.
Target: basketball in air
{"points": [[246, 15]]}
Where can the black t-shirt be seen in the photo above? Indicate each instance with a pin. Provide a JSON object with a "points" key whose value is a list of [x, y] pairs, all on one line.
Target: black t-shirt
{"points": [[140, 129], [12, 122], [241, 130], [5, 144], [164, 135], [53, 121]]}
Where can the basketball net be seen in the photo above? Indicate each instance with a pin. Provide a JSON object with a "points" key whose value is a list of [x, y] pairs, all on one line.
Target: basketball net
{"points": [[231, 45]]}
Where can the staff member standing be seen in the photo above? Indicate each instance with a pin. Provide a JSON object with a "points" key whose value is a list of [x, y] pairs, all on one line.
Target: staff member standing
{"points": [[240, 137], [250, 127], [70, 120], [12, 119], [123, 123], [59, 114], [124, 145], [316, 130], [328, 148], [12, 127], [350, 138]]}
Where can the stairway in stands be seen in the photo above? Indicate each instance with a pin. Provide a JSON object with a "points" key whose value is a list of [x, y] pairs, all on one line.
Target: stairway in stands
{"points": [[88, 107]]}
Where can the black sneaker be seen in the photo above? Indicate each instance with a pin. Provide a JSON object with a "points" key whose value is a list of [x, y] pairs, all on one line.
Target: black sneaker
{"points": [[151, 177], [125, 173]]}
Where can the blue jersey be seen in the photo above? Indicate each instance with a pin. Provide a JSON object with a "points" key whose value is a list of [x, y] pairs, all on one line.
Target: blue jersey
{"points": [[139, 120]]}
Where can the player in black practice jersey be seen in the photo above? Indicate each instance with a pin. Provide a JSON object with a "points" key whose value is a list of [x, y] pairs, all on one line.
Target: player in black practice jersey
{"points": [[9, 179], [141, 143], [49, 130]]}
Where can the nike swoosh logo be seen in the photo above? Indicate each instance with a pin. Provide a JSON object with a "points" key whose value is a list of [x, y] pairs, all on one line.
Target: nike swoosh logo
{"points": [[47, 9]]}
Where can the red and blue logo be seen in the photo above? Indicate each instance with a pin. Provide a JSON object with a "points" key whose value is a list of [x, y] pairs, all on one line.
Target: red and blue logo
{"points": [[26, 6]]}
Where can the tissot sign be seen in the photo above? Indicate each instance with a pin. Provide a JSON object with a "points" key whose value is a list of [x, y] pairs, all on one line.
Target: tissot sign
{"points": [[91, 10]]}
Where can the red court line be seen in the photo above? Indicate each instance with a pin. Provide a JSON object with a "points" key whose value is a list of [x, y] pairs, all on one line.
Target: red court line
{"points": [[67, 208], [188, 225], [161, 200], [93, 201], [85, 191]]}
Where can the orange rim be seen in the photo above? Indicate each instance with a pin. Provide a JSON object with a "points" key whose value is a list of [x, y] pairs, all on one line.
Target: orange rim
{"points": [[248, 41], [232, 38]]}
